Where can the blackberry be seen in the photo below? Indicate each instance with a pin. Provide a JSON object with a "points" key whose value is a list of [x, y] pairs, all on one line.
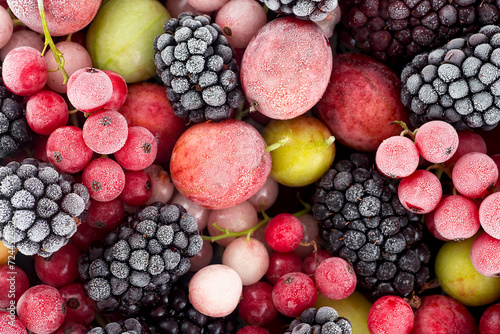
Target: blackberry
{"points": [[362, 220], [174, 313], [39, 207], [323, 320], [128, 326], [197, 66], [134, 263], [14, 129], [392, 31], [314, 10], [458, 83]]}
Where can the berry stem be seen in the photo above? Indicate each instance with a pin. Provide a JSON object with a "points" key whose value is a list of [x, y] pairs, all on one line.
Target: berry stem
{"points": [[58, 56], [440, 170], [280, 143], [405, 131], [251, 230]]}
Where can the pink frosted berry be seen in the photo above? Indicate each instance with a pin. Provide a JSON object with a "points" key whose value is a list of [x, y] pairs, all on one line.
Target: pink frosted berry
{"points": [[456, 218], [390, 315], [397, 157], [13, 283], [489, 215], [436, 141], [420, 192], [67, 150], [89, 89], [335, 278], [293, 293], [215, 290], [281, 264], [139, 150], [10, 324], [137, 189], [468, 142], [105, 215], [42, 309], [485, 255], [104, 179], [474, 174], [284, 232], [46, 111], [105, 132], [120, 90], [24, 71], [431, 226], [490, 320]]}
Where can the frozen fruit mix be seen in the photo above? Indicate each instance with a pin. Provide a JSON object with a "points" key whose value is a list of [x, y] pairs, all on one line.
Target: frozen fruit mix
{"points": [[249, 166]]}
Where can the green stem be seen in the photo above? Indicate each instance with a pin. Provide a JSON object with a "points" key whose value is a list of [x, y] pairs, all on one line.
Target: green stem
{"points": [[58, 56], [248, 233], [280, 143], [405, 131]]}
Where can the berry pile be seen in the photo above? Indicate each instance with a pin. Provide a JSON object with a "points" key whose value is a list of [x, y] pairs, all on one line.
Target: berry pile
{"points": [[197, 65], [134, 264], [40, 208], [391, 31], [456, 82], [225, 166], [363, 221]]}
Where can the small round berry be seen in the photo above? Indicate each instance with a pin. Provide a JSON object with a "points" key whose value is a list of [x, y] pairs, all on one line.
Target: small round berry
{"points": [[456, 218], [489, 215], [104, 179], [284, 232], [46, 111], [10, 324], [293, 293], [437, 141], [105, 132], [485, 255], [474, 174], [335, 278], [420, 192], [215, 290], [138, 188], [139, 151], [397, 157], [41, 302], [390, 315], [24, 71], [67, 150], [89, 89]]}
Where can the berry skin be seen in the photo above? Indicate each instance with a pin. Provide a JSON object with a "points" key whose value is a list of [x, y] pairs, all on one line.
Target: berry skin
{"points": [[390, 315], [46, 111], [397, 157], [67, 150], [80, 308], [138, 188], [284, 232], [256, 306], [42, 309], [104, 178], [281, 264], [24, 71], [437, 141], [489, 217], [139, 151], [474, 175], [335, 278], [89, 89], [293, 293], [490, 320], [8, 285], [11, 326], [105, 132], [485, 255], [60, 269], [456, 218], [420, 192]]}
